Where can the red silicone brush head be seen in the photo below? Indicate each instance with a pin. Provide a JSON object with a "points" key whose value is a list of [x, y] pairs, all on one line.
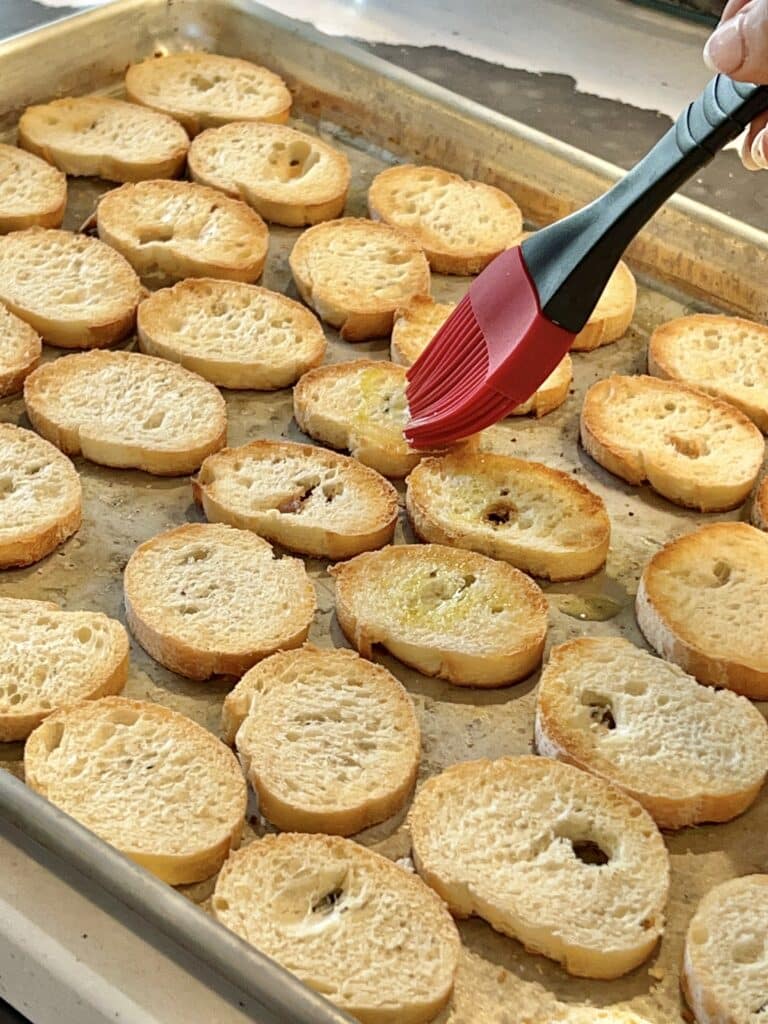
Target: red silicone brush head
{"points": [[491, 354]]}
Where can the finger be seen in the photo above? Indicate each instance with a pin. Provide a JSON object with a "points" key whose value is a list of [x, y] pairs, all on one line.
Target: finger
{"points": [[753, 149], [739, 46], [732, 8]]}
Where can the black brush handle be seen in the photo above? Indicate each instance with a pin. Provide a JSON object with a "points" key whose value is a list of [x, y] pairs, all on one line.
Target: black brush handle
{"points": [[571, 261]]}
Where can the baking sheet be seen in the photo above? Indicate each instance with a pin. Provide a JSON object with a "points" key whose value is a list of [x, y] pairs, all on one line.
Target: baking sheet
{"points": [[375, 112]]}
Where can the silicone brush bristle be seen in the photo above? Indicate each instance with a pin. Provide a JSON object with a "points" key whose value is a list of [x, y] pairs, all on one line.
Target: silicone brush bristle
{"points": [[490, 355]]}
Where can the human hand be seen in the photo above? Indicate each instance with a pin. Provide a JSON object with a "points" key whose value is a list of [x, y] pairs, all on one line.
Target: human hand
{"points": [[739, 48]]}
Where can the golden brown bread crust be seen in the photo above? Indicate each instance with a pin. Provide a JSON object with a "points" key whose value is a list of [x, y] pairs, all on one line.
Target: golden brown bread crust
{"points": [[343, 269], [173, 868], [436, 520], [285, 521], [158, 227], [391, 199], [667, 630], [623, 451], [206, 655], [724, 356], [44, 209], [444, 652], [169, 84]]}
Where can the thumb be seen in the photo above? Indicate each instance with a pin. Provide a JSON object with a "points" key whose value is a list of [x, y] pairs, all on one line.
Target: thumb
{"points": [[739, 46]]}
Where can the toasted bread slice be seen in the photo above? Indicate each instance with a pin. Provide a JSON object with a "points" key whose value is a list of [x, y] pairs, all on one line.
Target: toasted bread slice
{"points": [[454, 614], [725, 356], [205, 600], [541, 520], [40, 496], [20, 351], [52, 658], [461, 225], [235, 335], [304, 498], [147, 780], [611, 317], [32, 193], [355, 273], [348, 922], [73, 290], [127, 410], [760, 505], [169, 230], [591, 1015], [201, 90], [418, 322], [687, 753], [725, 967], [361, 407], [329, 741], [288, 177], [559, 859], [694, 450], [702, 603], [104, 138]]}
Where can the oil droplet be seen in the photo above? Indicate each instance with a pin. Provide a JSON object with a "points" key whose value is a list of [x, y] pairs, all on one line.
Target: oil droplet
{"points": [[588, 608]]}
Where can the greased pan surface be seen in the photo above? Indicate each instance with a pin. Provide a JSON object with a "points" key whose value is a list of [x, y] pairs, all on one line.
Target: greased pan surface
{"points": [[690, 258]]}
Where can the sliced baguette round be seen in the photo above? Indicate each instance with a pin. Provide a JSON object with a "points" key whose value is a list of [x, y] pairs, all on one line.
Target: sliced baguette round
{"points": [[73, 290], [329, 742], [539, 519], [353, 925], [449, 613], [288, 177], [556, 858], [147, 780], [695, 450], [32, 193], [20, 351], [611, 317], [235, 335], [169, 230], [304, 498], [104, 138], [355, 273], [206, 599], [702, 603], [127, 410], [418, 322], [53, 657], [201, 90], [687, 753], [40, 497], [360, 407], [461, 225], [760, 506], [725, 356], [725, 966]]}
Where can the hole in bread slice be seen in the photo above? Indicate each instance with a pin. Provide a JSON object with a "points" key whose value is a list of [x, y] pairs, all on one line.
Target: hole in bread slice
{"points": [[585, 845], [600, 709], [500, 513], [156, 233], [690, 447], [326, 903], [53, 735]]}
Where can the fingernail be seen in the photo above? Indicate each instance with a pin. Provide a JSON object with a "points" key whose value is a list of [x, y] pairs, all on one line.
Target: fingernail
{"points": [[725, 47], [759, 152], [745, 152]]}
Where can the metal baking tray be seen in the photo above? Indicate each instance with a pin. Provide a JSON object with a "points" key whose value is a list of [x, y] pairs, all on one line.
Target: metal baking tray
{"points": [[688, 258]]}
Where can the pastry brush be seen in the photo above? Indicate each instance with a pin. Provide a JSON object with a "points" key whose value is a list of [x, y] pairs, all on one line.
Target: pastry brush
{"points": [[521, 314]]}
